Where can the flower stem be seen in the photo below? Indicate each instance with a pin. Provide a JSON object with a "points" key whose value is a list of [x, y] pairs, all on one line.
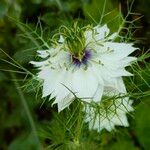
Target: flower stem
{"points": [[79, 126], [27, 111]]}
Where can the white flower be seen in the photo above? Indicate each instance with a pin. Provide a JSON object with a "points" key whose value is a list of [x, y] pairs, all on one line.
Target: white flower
{"points": [[111, 111], [83, 65]]}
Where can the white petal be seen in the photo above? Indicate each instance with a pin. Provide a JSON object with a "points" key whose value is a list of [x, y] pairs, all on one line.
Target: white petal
{"points": [[64, 87], [102, 32], [116, 114], [106, 124], [47, 88], [126, 105], [39, 64], [43, 53], [113, 61], [64, 103], [88, 36], [97, 73], [127, 61], [113, 36], [120, 120], [120, 86], [47, 74], [114, 72], [49, 83], [53, 83], [98, 94], [84, 84], [114, 87], [61, 39], [120, 50]]}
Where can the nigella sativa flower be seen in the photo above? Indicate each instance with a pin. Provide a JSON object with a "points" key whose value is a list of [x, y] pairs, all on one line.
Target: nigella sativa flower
{"points": [[82, 62], [110, 111]]}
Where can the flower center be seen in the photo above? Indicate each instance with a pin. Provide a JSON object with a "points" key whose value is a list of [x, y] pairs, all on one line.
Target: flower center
{"points": [[82, 60]]}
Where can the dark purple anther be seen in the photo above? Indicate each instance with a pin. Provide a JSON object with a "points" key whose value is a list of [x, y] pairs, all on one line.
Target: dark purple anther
{"points": [[84, 60]]}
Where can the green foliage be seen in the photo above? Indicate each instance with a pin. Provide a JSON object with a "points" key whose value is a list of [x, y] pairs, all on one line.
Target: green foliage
{"points": [[29, 123], [104, 12], [142, 120], [24, 142]]}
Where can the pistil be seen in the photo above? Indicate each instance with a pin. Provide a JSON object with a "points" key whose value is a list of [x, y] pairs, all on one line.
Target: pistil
{"points": [[78, 61]]}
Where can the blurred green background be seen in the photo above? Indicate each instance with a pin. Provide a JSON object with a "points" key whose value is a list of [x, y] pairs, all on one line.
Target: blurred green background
{"points": [[18, 130]]}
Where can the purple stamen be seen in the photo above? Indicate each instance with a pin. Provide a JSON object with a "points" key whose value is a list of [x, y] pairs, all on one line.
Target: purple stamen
{"points": [[84, 60]]}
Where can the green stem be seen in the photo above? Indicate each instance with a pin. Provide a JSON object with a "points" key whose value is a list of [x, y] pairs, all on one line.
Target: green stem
{"points": [[59, 4], [79, 126], [26, 108]]}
